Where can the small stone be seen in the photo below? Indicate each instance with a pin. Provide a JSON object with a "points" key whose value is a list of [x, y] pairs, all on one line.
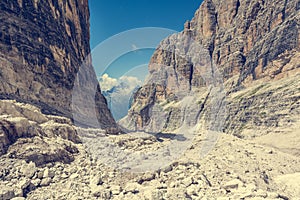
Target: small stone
{"points": [[246, 195], [111, 174], [29, 170], [187, 181], [64, 176], [6, 192], [173, 184], [96, 190], [97, 180], [192, 190], [40, 174], [132, 187], [24, 183], [100, 192], [167, 169], [162, 186], [261, 193], [106, 194], [146, 177], [251, 187], [272, 195], [181, 176], [36, 182], [19, 192], [74, 176], [233, 184], [115, 189], [46, 181], [48, 173], [18, 198], [157, 195], [73, 170]]}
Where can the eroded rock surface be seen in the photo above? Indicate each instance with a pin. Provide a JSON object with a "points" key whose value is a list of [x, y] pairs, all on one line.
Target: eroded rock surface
{"points": [[43, 44], [250, 44], [29, 135]]}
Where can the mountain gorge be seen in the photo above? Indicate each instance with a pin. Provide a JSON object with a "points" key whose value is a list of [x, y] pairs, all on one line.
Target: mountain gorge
{"points": [[217, 118]]}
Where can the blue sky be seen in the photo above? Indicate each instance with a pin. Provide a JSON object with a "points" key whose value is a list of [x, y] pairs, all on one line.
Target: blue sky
{"points": [[111, 17]]}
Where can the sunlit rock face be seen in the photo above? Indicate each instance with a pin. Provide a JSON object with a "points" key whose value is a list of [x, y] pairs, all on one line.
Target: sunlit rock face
{"points": [[26, 133], [42, 46], [254, 47]]}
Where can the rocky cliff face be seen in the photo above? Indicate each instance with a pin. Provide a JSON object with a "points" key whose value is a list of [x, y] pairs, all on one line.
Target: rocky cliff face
{"points": [[241, 44], [42, 46]]}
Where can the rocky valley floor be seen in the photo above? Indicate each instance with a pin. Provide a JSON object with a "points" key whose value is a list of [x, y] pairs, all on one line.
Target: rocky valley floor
{"points": [[45, 159]]}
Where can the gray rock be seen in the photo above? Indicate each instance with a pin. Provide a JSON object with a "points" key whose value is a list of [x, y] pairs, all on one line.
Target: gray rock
{"points": [[6, 193]]}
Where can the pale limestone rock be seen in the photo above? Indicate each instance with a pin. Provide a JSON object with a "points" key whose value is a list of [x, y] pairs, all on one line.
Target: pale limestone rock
{"points": [[74, 176], [40, 174], [29, 169], [18, 198], [96, 180], [64, 176], [24, 183], [272, 195], [36, 182], [96, 190], [48, 173], [192, 190], [115, 189], [187, 181], [233, 184], [46, 181], [132, 187]]}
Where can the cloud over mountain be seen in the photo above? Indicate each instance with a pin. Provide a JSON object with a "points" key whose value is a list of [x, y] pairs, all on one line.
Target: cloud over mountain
{"points": [[118, 93]]}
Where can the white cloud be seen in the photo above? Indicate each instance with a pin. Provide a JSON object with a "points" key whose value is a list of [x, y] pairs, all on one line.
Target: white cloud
{"points": [[130, 81], [134, 47], [106, 82], [118, 93]]}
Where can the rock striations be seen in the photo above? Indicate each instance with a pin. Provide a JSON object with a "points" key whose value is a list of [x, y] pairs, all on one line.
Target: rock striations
{"points": [[252, 45], [42, 46]]}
